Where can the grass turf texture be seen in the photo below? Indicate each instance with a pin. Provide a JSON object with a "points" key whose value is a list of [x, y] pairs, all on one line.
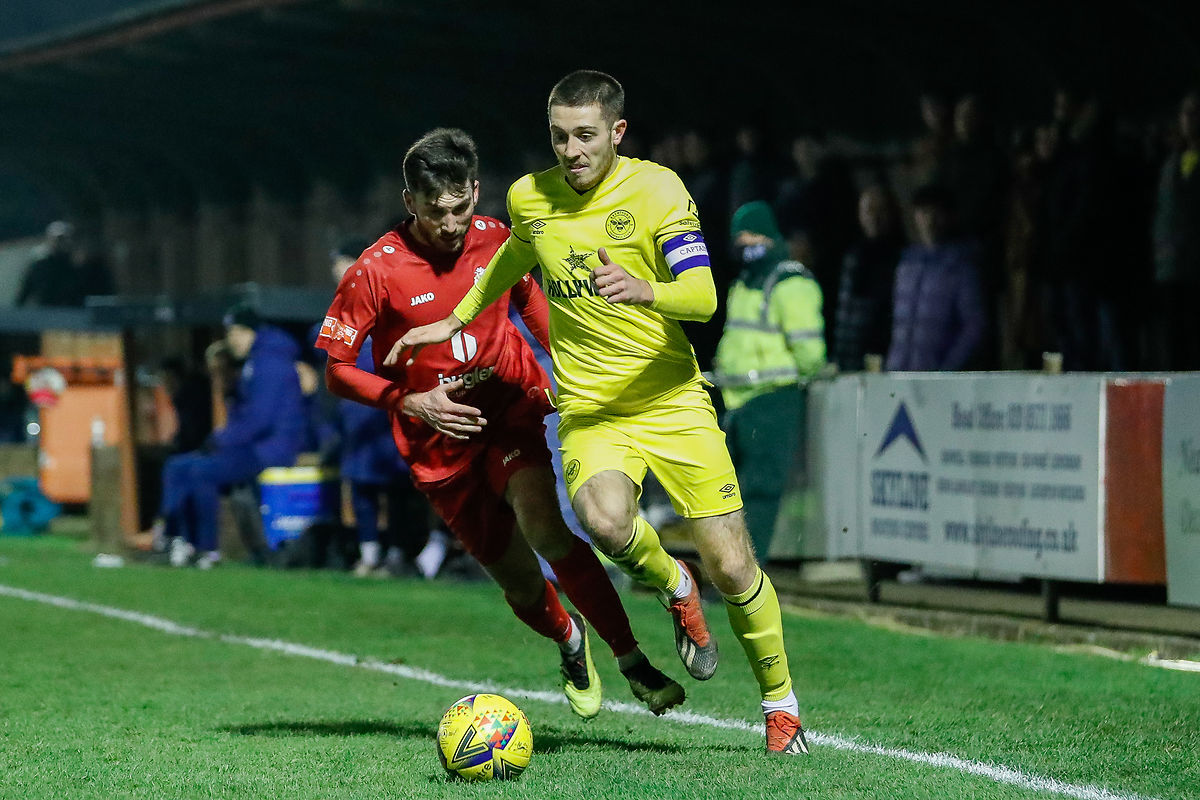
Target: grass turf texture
{"points": [[96, 707]]}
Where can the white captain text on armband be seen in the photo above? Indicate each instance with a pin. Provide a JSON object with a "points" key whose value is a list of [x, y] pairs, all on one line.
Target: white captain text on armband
{"points": [[685, 251]]}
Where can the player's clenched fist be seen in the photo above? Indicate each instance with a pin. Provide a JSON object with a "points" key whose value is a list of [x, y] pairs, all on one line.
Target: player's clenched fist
{"points": [[443, 414], [417, 338], [618, 286]]}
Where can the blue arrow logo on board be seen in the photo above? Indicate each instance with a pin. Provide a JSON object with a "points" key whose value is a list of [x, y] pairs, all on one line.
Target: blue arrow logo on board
{"points": [[901, 428]]}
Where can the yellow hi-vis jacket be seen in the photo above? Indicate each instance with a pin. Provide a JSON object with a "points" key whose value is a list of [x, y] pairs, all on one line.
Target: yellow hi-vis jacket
{"points": [[774, 335]]}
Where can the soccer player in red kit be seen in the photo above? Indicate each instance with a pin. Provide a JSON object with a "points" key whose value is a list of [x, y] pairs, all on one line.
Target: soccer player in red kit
{"points": [[468, 418]]}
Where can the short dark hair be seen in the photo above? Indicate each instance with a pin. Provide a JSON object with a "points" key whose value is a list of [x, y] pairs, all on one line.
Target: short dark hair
{"points": [[587, 86], [442, 160]]}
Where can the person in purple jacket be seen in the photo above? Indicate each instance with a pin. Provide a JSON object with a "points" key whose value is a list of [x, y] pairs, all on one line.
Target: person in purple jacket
{"points": [[266, 427], [938, 314]]}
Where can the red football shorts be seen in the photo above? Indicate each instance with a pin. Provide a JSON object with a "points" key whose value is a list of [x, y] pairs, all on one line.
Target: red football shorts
{"points": [[471, 502]]}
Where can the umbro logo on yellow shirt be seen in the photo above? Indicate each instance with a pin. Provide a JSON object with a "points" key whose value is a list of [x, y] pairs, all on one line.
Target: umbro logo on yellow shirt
{"points": [[537, 227]]}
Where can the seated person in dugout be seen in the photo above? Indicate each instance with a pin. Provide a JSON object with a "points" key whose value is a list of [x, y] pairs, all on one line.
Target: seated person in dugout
{"points": [[266, 427]]}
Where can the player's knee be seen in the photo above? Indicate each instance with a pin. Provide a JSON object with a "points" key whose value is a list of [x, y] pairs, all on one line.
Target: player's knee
{"points": [[518, 576], [609, 524], [727, 553], [733, 572], [607, 506], [549, 536], [540, 520]]}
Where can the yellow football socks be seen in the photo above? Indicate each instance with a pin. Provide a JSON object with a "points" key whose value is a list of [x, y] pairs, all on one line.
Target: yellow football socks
{"points": [[755, 618], [645, 560]]}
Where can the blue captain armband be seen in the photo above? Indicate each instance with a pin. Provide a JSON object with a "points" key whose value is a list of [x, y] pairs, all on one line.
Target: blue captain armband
{"points": [[685, 251]]}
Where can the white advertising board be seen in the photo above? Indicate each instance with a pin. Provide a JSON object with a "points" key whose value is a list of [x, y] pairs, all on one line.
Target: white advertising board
{"points": [[833, 457], [1181, 489], [990, 474]]}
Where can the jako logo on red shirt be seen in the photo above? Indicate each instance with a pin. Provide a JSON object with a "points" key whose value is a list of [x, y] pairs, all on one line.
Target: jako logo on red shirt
{"points": [[338, 332]]}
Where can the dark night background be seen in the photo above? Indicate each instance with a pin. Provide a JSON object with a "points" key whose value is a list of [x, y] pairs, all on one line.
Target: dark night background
{"points": [[289, 88]]}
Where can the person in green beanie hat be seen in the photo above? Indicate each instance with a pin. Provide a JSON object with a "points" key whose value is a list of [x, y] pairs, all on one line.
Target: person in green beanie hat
{"points": [[774, 340]]}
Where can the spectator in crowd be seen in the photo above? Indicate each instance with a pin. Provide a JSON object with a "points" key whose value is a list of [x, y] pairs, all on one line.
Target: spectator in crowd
{"points": [[15, 408], [362, 447], [190, 392], [703, 176], [751, 174], [976, 175], [1077, 229], [265, 427], [92, 273], [668, 151], [976, 170], [930, 148], [60, 276], [708, 185], [1127, 276], [864, 310], [705, 181], [1177, 245], [774, 340], [938, 316], [1019, 327], [815, 207]]}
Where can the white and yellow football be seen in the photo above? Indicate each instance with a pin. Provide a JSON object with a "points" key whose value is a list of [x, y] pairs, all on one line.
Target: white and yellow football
{"points": [[484, 737]]}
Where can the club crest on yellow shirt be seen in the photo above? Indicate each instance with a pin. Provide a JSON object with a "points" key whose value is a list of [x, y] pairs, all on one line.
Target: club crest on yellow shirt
{"points": [[620, 224]]}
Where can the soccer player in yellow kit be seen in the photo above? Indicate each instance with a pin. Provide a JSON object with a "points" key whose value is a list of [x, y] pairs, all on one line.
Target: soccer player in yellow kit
{"points": [[623, 258]]}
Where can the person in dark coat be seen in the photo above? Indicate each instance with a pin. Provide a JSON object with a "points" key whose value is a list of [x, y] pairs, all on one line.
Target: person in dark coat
{"points": [[67, 272], [864, 309], [938, 315], [369, 462], [1177, 246], [374, 470], [266, 427]]}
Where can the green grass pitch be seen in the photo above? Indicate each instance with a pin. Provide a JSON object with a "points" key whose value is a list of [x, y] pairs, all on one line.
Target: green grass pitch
{"points": [[96, 707]]}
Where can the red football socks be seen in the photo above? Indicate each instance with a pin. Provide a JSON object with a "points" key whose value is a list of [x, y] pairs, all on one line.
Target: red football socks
{"points": [[547, 617], [586, 584]]}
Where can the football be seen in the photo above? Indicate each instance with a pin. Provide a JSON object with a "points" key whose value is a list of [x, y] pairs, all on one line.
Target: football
{"points": [[484, 737]]}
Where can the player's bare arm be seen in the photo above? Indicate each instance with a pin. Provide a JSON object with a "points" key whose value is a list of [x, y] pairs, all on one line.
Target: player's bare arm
{"points": [[417, 338], [618, 286], [436, 409]]}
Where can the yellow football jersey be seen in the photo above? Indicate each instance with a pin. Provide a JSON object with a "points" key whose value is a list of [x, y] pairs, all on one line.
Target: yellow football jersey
{"points": [[608, 358]]}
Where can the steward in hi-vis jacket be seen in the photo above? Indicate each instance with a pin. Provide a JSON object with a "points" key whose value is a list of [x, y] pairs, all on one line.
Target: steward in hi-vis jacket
{"points": [[774, 340]]}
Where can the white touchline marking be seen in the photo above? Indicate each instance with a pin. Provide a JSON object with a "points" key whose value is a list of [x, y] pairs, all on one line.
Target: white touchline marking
{"points": [[997, 773], [1170, 663]]}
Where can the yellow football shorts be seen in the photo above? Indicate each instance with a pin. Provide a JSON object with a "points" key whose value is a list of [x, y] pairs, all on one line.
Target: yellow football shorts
{"points": [[677, 439]]}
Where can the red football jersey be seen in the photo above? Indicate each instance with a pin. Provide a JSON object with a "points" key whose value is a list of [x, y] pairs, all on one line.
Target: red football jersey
{"points": [[398, 284]]}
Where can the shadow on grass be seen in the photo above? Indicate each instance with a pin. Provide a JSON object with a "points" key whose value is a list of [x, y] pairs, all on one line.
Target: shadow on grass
{"points": [[350, 727], [549, 741]]}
